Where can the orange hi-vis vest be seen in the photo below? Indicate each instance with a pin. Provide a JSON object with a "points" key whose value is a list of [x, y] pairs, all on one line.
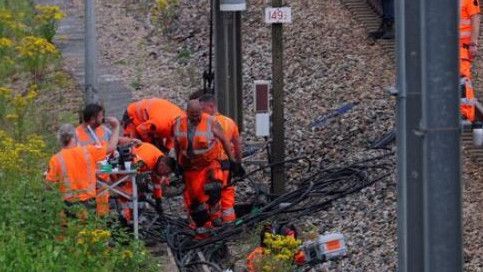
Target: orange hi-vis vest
{"points": [[230, 129], [100, 135], [75, 169], [202, 147], [468, 9], [156, 112], [149, 154]]}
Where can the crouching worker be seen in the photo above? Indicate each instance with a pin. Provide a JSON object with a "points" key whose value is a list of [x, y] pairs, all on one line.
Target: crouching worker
{"points": [[74, 167], [150, 120], [152, 161]]}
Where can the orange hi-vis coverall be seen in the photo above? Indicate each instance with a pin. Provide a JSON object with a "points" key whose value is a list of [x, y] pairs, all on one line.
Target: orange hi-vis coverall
{"points": [[75, 169], [230, 129], [149, 155], [100, 135], [199, 152], [469, 8], [468, 100], [152, 120]]}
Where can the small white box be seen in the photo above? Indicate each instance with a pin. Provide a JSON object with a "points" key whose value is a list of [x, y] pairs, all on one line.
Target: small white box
{"points": [[262, 125]]}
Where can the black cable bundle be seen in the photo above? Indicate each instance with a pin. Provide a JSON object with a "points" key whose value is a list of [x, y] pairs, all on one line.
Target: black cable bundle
{"points": [[315, 193]]}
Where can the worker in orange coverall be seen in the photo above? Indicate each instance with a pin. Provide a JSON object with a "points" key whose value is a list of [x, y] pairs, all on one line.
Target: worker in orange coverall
{"points": [[150, 120], [199, 145], [74, 167], [149, 159], [230, 128]]}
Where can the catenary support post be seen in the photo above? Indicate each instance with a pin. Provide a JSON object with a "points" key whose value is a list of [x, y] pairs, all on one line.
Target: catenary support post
{"points": [[278, 131], [409, 140]]}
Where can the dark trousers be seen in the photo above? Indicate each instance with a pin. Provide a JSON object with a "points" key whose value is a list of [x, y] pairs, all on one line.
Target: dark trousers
{"points": [[388, 9]]}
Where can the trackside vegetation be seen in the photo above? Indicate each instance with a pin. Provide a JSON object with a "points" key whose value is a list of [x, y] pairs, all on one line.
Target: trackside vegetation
{"points": [[33, 235]]}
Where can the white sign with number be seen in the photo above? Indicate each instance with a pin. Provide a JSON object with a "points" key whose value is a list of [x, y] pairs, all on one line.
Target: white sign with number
{"points": [[278, 15]]}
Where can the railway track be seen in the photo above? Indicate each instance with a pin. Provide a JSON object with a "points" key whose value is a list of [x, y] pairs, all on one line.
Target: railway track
{"points": [[368, 12]]}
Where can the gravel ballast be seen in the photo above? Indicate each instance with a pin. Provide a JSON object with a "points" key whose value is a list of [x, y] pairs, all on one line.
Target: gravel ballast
{"points": [[328, 63]]}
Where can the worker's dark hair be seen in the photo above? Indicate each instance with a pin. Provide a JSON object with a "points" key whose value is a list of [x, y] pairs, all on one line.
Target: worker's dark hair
{"points": [[197, 94], [207, 98], [91, 111], [170, 162]]}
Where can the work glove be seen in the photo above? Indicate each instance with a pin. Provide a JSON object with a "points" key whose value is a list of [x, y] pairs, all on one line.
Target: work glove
{"points": [[237, 169], [213, 190]]}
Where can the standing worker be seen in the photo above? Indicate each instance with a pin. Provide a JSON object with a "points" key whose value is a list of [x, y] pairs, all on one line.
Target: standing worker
{"points": [[199, 141], [469, 35], [230, 129], [92, 131], [74, 167], [151, 120]]}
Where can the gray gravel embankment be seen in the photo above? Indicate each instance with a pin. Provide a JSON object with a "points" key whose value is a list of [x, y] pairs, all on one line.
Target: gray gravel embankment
{"points": [[328, 63]]}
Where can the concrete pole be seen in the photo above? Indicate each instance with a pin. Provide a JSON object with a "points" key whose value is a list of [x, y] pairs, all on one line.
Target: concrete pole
{"points": [[91, 84], [228, 62], [440, 127], [278, 131], [409, 140]]}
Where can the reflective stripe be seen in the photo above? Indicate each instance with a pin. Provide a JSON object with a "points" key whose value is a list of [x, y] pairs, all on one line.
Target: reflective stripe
{"points": [[65, 178], [202, 230], [465, 34], [209, 136], [228, 212], [464, 81], [107, 133], [465, 22], [177, 132], [468, 102]]}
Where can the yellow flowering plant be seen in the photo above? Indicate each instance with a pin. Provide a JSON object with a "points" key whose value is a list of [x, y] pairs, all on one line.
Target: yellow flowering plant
{"points": [[18, 156], [6, 52], [278, 254], [5, 95], [10, 25], [36, 53], [47, 20]]}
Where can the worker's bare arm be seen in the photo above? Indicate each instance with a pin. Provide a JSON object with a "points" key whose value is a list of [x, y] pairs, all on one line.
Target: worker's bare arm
{"points": [[218, 132], [114, 123]]}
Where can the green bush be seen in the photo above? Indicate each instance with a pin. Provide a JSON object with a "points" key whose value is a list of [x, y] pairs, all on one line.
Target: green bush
{"points": [[33, 238]]}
